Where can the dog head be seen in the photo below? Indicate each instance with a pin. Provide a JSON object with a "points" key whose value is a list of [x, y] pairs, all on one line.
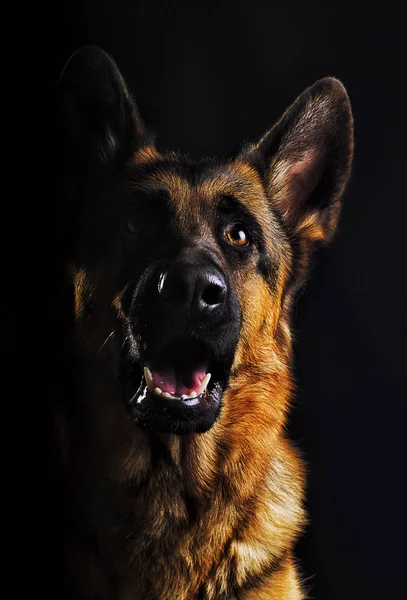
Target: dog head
{"points": [[184, 271]]}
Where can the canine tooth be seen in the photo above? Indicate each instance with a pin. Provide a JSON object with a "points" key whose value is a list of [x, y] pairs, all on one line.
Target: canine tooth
{"points": [[204, 384], [206, 379], [193, 395], [158, 391], [149, 379]]}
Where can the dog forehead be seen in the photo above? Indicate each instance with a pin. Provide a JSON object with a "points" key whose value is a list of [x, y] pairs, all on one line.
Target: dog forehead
{"points": [[194, 189]]}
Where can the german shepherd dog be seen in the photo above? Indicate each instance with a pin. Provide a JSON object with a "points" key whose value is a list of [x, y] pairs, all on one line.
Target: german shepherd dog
{"points": [[180, 276]]}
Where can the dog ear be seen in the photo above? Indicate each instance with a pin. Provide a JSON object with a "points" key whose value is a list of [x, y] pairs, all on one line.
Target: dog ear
{"points": [[98, 123], [306, 159]]}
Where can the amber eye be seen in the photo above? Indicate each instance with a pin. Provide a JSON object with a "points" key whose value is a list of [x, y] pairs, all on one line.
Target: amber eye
{"points": [[237, 235]]}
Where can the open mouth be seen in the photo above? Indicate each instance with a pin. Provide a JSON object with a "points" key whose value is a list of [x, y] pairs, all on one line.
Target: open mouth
{"points": [[168, 384], [179, 390]]}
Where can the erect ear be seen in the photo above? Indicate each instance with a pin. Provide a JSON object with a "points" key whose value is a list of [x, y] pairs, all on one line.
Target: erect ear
{"points": [[98, 122], [306, 159]]}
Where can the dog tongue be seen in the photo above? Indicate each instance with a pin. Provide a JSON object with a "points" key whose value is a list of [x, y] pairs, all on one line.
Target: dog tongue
{"points": [[168, 380]]}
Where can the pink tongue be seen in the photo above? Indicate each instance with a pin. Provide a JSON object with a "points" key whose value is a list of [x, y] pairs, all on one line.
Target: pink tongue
{"points": [[167, 381]]}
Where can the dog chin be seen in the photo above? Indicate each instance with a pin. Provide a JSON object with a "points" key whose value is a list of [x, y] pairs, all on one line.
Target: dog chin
{"points": [[179, 417]]}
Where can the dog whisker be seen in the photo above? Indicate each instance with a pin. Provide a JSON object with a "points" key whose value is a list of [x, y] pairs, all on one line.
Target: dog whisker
{"points": [[106, 341]]}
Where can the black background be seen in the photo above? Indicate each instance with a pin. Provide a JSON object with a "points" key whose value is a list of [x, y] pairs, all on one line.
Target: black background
{"points": [[208, 76]]}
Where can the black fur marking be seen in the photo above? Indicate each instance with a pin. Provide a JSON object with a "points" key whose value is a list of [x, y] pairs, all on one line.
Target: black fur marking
{"points": [[255, 581], [192, 507]]}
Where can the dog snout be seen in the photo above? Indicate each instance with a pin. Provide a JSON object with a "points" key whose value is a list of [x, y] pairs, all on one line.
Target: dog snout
{"points": [[198, 290]]}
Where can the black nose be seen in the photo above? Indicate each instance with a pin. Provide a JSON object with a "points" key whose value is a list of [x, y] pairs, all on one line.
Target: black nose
{"points": [[200, 290]]}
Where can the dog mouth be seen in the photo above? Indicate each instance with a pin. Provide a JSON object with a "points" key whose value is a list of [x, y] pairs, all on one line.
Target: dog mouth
{"points": [[179, 389], [172, 385]]}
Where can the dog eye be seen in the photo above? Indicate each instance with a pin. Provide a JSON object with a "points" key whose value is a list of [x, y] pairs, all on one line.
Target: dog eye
{"points": [[237, 235], [131, 226]]}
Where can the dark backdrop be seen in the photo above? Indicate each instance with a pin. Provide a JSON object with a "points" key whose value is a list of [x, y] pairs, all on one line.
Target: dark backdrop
{"points": [[209, 75]]}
